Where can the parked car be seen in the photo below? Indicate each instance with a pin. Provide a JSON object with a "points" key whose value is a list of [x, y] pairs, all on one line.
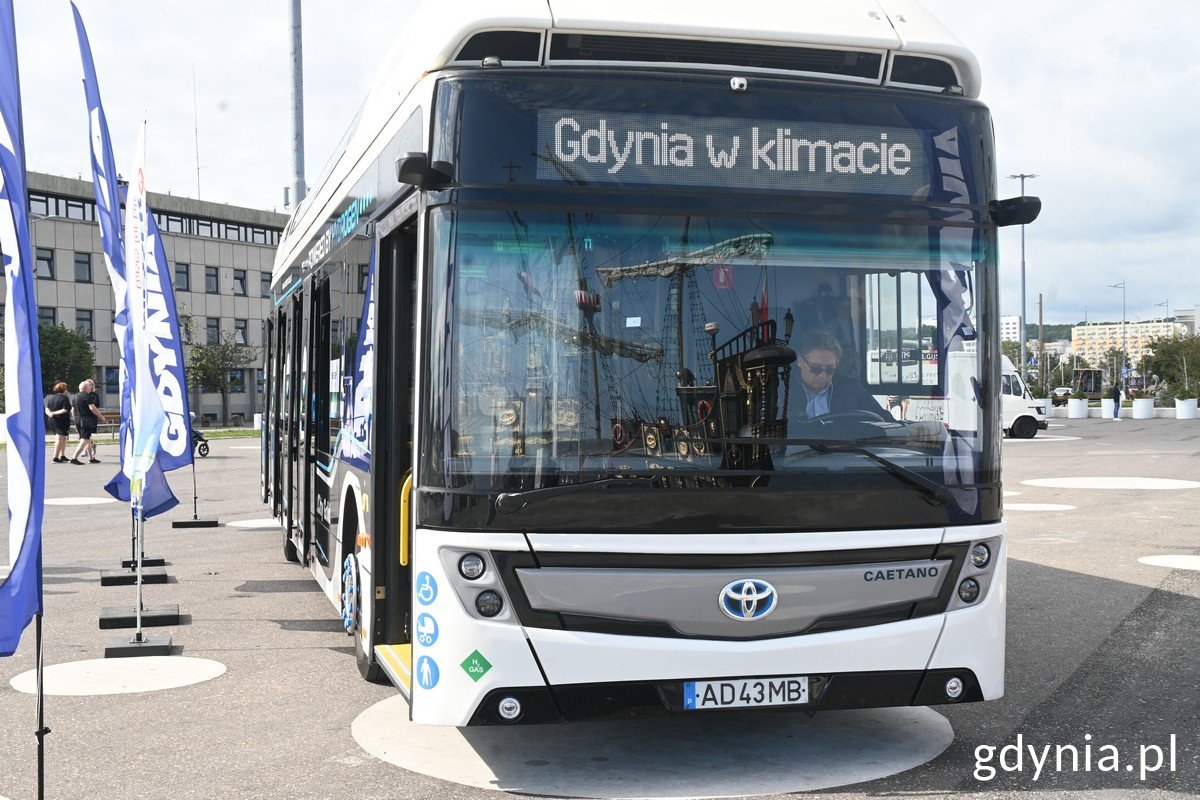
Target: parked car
{"points": [[1061, 395]]}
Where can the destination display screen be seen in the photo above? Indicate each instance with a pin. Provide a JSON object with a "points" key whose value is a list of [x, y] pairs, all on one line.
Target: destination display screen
{"points": [[791, 154]]}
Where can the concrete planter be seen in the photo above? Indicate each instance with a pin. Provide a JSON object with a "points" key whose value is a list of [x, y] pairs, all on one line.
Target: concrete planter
{"points": [[1106, 407], [1077, 409], [1185, 409], [1143, 408]]}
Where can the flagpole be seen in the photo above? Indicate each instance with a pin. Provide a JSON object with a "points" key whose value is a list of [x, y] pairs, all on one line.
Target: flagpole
{"points": [[42, 730], [140, 527]]}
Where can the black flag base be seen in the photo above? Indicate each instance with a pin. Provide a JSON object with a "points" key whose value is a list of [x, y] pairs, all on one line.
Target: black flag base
{"points": [[126, 616], [147, 561], [195, 523], [138, 645], [128, 577]]}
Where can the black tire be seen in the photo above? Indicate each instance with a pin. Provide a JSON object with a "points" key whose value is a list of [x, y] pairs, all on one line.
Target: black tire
{"points": [[203, 449], [289, 550], [352, 593], [1024, 428]]}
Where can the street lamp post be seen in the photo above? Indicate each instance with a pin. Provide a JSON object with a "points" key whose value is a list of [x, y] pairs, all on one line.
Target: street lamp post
{"points": [[1022, 176], [1124, 340]]}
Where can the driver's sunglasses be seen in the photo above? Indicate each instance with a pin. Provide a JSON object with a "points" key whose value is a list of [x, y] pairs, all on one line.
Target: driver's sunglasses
{"points": [[818, 369]]}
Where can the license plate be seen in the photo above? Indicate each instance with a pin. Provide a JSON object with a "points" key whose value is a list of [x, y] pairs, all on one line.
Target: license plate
{"points": [[786, 691]]}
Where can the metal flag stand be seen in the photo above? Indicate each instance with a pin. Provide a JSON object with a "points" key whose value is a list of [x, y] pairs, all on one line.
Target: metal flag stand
{"points": [[140, 644], [195, 521]]}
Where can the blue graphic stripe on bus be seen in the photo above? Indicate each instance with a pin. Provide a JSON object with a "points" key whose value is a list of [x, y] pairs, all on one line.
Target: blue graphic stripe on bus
{"points": [[426, 589], [427, 630], [427, 672]]}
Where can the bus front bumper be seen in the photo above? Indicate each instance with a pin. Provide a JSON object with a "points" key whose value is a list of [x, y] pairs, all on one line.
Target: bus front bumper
{"points": [[576, 702]]}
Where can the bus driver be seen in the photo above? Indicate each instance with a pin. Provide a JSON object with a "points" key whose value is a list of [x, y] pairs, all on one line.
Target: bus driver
{"points": [[825, 392]]}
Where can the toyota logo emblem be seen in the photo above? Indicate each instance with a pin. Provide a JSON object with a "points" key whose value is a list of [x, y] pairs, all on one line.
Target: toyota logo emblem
{"points": [[748, 599]]}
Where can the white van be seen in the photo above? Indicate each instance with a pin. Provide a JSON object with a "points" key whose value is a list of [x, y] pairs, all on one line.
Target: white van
{"points": [[1022, 416]]}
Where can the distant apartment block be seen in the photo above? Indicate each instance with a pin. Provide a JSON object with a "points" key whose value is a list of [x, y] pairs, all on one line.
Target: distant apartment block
{"points": [[1093, 340], [1010, 329]]}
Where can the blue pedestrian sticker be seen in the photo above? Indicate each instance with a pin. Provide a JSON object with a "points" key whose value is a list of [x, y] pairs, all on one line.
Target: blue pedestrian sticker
{"points": [[427, 630], [427, 672], [426, 589]]}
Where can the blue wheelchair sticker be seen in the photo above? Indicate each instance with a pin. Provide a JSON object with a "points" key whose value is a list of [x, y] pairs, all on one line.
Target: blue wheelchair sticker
{"points": [[426, 589]]}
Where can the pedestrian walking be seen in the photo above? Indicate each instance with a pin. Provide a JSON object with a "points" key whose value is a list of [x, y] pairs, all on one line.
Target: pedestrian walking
{"points": [[58, 413], [1116, 396], [88, 417]]}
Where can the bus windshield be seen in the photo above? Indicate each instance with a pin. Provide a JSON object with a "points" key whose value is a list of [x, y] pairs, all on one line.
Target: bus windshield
{"points": [[677, 350]]}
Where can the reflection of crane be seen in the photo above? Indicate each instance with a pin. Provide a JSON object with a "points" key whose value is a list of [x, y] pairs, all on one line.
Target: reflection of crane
{"points": [[680, 268]]}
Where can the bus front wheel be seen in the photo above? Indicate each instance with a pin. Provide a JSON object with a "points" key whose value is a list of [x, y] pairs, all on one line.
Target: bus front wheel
{"points": [[352, 613]]}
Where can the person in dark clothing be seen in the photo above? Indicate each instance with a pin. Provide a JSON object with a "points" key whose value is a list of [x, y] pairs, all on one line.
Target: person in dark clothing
{"points": [[58, 415], [1116, 397], [88, 417], [823, 390]]}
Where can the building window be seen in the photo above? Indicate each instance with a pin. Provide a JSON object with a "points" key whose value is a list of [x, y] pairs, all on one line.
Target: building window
{"points": [[83, 323], [266, 284], [363, 272], [239, 332], [212, 283], [45, 264], [39, 204], [83, 267], [237, 381], [239, 282], [48, 316], [183, 278], [212, 330], [204, 228], [112, 380]]}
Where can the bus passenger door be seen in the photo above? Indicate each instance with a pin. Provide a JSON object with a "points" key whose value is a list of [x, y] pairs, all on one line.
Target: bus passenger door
{"points": [[296, 380], [393, 429]]}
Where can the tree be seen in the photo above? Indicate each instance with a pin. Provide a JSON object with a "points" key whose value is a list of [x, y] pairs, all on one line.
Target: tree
{"points": [[66, 356], [1174, 360], [210, 365], [1013, 351]]}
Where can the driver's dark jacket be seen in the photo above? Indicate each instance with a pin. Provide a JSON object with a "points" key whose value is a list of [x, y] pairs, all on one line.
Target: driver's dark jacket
{"points": [[847, 395]]}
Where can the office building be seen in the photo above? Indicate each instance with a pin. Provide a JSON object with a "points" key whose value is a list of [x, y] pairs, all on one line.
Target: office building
{"points": [[219, 257]]}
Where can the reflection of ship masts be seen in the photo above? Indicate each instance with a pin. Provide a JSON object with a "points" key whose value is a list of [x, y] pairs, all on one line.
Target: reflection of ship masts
{"points": [[502, 319], [749, 246], [679, 274]]}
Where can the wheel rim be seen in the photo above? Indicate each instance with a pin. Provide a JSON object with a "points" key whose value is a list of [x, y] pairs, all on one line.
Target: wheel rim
{"points": [[350, 594]]}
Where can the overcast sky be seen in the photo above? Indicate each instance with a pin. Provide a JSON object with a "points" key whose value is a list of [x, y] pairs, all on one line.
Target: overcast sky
{"points": [[1098, 98]]}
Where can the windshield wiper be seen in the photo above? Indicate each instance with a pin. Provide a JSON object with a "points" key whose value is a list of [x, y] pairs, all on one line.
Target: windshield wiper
{"points": [[508, 502], [931, 489]]}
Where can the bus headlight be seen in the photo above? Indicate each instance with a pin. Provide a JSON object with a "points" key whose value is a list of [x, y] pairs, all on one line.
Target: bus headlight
{"points": [[489, 603], [980, 556], [471, 566], [968, 591]]}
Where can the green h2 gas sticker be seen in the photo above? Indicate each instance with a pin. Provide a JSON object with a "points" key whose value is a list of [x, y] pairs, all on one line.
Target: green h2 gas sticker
{"points": [[476, 665]]}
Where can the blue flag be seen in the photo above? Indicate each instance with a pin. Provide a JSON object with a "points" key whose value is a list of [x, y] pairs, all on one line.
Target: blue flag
{"points": [[175, 442], [21, 558]]}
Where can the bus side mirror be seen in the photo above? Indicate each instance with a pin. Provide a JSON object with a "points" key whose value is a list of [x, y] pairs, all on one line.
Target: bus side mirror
{"points": [[416, 169], [1015, 210]]}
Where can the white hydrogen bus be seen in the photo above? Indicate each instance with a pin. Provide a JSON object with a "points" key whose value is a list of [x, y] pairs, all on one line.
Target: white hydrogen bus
{"points": [[570, 410]]}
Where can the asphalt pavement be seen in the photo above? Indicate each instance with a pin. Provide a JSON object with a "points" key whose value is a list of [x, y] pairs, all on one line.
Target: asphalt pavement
{"points": [[1102, 649]]}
